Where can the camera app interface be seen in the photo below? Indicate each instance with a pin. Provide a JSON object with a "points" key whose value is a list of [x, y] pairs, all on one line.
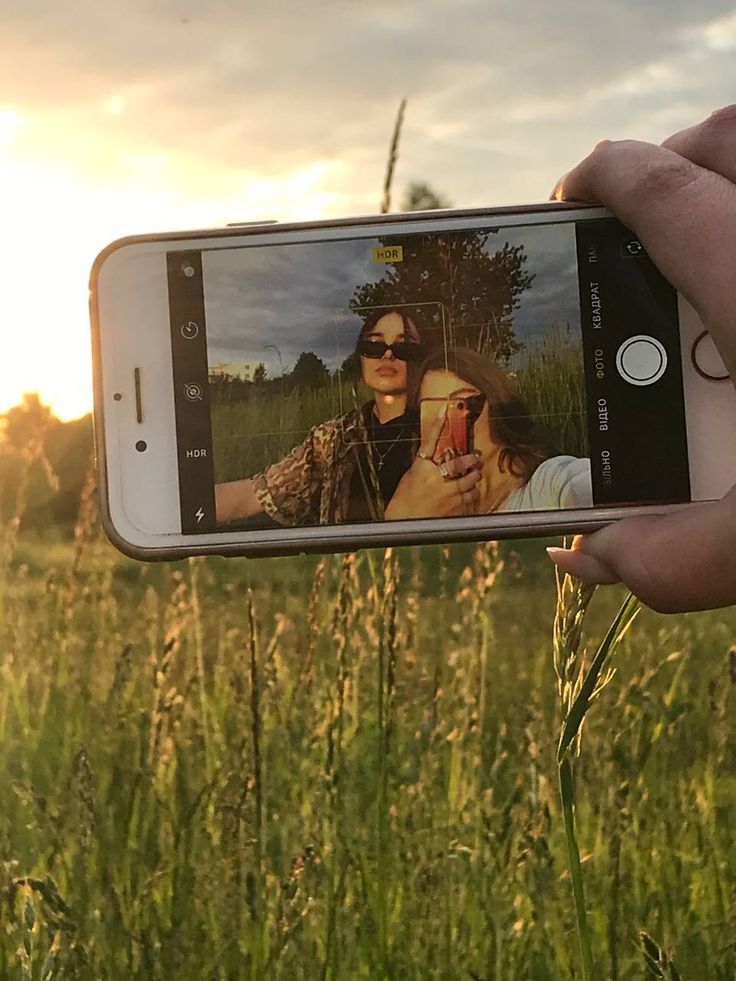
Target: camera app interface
{"points": [[443, 374]]}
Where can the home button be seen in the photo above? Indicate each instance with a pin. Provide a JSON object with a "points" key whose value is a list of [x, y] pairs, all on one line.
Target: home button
{"points": [[641, 360], [706, 360]]}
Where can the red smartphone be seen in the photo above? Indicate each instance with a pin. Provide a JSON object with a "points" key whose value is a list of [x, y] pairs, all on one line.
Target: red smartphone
{"points": [[456, 437]]}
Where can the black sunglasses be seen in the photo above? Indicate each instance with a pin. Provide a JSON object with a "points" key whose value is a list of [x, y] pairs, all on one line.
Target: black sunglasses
{"points": [[401, 350]]}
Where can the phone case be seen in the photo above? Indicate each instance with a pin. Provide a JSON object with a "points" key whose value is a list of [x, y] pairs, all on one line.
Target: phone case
{"points": [[345, 537]]}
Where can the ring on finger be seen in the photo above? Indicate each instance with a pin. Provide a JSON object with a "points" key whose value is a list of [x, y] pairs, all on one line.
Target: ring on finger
{"points": [[444, 471]]}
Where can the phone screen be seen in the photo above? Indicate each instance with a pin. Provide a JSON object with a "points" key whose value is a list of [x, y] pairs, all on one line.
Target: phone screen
{"points": [[308, 375]]}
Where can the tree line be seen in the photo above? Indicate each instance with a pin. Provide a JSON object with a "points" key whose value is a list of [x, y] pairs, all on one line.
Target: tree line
{"points": [[44, 463]]}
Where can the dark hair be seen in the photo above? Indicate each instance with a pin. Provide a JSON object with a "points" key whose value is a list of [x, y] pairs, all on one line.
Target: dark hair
{"points": [[410, 327], [410, 324], [511, 426]]}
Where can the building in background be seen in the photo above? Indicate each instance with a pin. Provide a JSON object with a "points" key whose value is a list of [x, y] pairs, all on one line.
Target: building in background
{"points": [[242, 370]]}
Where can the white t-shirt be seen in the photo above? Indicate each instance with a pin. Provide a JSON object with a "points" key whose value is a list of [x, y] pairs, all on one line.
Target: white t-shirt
{"points": [[560, 482]]}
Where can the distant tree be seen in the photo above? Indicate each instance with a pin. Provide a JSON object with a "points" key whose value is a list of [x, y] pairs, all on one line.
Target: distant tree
{"points": [[69, 449], [43, 465], [419, 196], [309, 371], [260, 374], [476, 290], [350, 368], [26, 423], [27, 476]]}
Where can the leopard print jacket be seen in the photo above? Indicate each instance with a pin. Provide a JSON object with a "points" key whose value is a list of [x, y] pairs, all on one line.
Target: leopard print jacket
{"points": [[311, 485]]}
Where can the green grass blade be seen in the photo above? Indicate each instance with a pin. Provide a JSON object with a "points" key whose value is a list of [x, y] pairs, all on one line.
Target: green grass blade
{"points": [[567, 798], [621, 623]]}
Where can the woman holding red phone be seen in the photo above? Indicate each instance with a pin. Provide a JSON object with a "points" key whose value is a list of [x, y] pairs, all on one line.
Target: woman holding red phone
{"points": [[510, 468]]}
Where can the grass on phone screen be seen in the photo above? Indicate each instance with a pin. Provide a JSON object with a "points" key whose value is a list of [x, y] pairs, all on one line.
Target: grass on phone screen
{"points": [[260, 424]]}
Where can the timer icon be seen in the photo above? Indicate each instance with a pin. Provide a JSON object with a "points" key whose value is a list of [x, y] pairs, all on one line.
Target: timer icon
{"points": [[189, 330]]}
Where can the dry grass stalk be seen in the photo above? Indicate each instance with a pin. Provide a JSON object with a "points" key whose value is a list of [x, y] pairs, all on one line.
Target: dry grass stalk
{"points": [[175, 620], [393, 153], [578, 685], [390, 640], [196, 619], [255, 880], [341, 629], [313, 623], [573, 598]]}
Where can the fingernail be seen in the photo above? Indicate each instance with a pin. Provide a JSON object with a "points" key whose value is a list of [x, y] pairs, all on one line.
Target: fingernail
{"points": [[581, 566], [557, 191]]}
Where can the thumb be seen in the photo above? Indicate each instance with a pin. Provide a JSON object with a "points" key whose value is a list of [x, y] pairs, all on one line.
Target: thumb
{"points": [[676, 562], [431, 435]]}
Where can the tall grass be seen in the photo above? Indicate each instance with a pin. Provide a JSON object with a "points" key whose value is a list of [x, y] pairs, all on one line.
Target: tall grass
{"points": [[357, 779], [550, 378], [263, 428], [578, 685], [208, 770]]}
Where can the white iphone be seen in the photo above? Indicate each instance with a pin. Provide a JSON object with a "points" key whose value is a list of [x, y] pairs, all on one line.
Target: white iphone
{"points": [[426, 377]]}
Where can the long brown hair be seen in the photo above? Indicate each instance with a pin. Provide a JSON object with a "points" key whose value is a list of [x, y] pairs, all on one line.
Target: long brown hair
{"points": [[511, 426]]}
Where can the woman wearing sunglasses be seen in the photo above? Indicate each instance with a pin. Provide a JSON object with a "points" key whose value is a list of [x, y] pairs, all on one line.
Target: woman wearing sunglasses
{"points": [[347, 468], [509, 468]]}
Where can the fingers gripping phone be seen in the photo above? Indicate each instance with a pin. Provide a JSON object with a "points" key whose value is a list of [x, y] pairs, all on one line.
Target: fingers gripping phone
{"points": [[278, 389]]}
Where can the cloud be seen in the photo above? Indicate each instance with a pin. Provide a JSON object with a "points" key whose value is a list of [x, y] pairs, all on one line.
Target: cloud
{"points": [[297, 297], [239, 89], [720, 34]]}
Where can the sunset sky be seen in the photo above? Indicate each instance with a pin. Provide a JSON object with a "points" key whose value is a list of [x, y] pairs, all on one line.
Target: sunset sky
{"points": [[121, 118]]}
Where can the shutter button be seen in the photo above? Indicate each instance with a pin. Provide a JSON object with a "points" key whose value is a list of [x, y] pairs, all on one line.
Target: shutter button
{"points": [[641, 360]]}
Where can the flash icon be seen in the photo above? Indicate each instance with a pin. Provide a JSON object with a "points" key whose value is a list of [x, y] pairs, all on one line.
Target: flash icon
{"points": [[199, 514]]}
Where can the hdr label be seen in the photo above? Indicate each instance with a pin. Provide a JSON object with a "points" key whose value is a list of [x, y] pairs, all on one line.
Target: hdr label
{"points": [[195, 454], [388, 253]]}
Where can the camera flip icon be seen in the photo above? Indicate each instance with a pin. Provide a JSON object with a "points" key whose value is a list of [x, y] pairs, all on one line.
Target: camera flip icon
{"points": [[632, 249]]}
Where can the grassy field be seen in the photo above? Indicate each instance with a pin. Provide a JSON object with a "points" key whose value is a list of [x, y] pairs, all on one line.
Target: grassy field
{"points": [[252, 432], [346, 768], [550, 379]]}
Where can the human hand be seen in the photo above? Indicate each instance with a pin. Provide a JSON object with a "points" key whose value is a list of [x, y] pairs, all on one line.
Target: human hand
{"points": [[680, 200], [429, 490]]}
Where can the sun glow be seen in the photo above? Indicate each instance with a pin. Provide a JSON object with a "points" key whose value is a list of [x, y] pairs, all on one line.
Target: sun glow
{"points": [[56, 219], [10, 120]]}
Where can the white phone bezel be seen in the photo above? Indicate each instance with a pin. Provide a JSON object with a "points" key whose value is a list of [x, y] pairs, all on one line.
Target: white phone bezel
{"points": [[140, 491]]}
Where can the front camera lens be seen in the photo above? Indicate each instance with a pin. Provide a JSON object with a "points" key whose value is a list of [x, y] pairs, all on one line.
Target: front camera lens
{"points": [[141, 445]]}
